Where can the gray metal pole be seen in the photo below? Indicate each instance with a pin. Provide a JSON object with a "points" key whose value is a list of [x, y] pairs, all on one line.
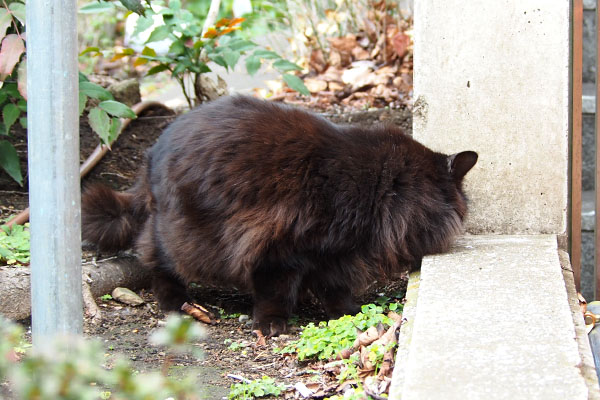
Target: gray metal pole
{"points": [[53, 153]]}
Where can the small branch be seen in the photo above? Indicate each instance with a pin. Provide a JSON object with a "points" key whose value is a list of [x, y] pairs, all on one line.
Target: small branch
{"points": [[239, 378], [91, 308]]}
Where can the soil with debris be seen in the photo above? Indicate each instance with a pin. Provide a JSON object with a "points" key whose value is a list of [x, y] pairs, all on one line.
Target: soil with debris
{"points": [[229, 347]]}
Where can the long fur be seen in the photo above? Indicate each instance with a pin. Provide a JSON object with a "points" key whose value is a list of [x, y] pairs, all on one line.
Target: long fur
{"points": [[277, 200]]}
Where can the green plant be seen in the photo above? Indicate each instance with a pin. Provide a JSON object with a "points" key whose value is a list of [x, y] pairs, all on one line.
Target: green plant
{"points": [[325, 340], [103, 117], [73, 369], [178, 333], [355, 394], [235, 346], [257, 388], [14, 244], [195, 48], [14, 83], [224, 315], [106, 297]]}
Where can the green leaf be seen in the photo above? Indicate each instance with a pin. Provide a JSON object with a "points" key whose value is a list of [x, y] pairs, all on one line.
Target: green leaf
{"points": [[83, 78], [18, 10], [177, 47], [160, 33], [296, 84], [266, 54], [100, 123], [231, 58], [92, 49], [143, 23], [23, 122], [218, 59], [175, 5], [96, 7], [117, 109], [82, 102], [9, 161], [241, 45], [134, 5], [115, 129], [5, 22], [252, 64], [285, 66], [94, 91], [179, 68], [148, 51], [3, 97], [10, 114], [156, 69]]}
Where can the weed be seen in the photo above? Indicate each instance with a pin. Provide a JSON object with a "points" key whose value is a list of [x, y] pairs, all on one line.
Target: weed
{"points": [[325, 340], [257, 388], [14, 244], [106, 297]]}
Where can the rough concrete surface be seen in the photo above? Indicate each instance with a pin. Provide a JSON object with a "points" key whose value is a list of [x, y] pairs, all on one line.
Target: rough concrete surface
{"points": [[493, 76], [492, 321]]}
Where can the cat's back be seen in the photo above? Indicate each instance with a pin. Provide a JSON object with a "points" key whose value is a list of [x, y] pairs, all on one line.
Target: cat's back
{"points": [[241, 137]]}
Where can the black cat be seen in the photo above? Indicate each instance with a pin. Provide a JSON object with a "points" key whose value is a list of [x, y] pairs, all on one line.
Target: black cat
{"points": [[279, 201]]}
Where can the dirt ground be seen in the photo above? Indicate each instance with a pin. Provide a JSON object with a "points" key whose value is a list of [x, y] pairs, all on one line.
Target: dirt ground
{"points": [[228, 347]]}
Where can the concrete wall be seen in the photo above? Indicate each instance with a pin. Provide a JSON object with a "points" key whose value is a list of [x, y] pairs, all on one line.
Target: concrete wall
{"points": [[492, 76]]}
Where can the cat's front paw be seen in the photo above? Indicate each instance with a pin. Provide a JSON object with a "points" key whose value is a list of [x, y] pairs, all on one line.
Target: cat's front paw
{"points": [[270, 327]]}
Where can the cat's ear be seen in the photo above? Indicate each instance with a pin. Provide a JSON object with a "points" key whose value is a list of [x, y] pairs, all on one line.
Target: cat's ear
{"points": [[460, 163]]}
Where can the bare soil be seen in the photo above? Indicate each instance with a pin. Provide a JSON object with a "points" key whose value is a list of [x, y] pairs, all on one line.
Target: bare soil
{"points": [[125, 330]]}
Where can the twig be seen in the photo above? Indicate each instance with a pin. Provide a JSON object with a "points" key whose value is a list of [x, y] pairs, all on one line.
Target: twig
{"points": [[91, 308], [239, 378]]}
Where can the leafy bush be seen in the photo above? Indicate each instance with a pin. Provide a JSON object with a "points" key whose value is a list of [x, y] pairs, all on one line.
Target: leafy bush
{"points": [[193, 50], [74, 369], [104, 117], [14, 244]]}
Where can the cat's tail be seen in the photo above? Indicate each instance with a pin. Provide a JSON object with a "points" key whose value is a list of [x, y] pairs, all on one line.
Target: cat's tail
{"points": [[112, 220]]}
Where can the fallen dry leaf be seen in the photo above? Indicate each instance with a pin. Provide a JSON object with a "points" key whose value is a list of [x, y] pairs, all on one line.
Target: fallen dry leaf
{"points": [[262, 341], [199, 313], [315, 85], [400, 42]]}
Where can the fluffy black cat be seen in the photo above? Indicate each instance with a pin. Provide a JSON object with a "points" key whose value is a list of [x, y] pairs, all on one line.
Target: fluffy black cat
{"points": [[279, 201]]}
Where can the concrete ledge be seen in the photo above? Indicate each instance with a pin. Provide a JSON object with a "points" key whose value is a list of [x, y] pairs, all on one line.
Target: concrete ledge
{"points": [[493, 320]]}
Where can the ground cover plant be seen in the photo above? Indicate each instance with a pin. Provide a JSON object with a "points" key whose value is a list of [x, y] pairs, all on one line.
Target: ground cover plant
{"points": [[14, 244], [81, 369]]}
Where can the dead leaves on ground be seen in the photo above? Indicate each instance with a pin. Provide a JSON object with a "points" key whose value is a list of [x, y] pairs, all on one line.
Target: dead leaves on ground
{"points": [[372, 68]]}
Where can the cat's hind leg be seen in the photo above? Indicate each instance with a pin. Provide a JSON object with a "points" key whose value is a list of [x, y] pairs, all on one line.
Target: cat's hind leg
{"points": [[275, 293], [168, 288]]}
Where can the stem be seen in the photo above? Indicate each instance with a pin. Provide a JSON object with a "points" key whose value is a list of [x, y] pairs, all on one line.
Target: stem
{"points": [[181, 81], [211, 17], [13, 19]]}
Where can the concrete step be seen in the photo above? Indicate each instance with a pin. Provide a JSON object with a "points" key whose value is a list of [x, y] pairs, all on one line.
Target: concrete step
{"points": [[494, 319]]}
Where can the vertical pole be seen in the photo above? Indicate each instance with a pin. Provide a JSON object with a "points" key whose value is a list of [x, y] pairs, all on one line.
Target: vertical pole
{"points": [[597, 171], [576, 133], [53, 154]]}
